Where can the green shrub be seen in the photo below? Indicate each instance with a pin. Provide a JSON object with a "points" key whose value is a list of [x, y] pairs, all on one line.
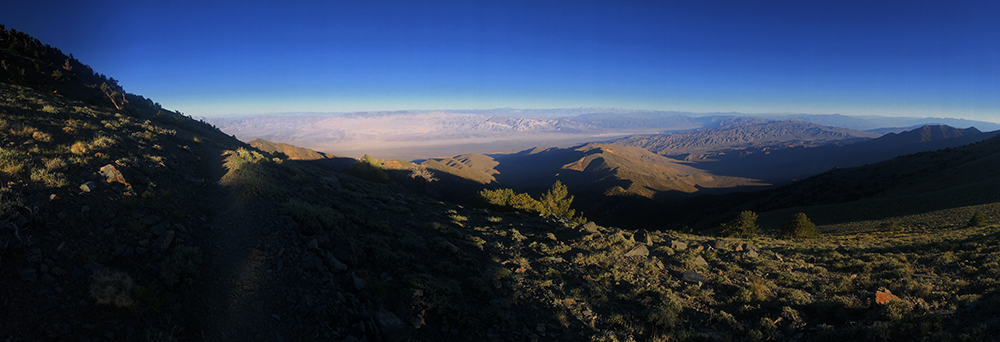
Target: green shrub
{"points": [[744, 225], [249, 171], [896, 310], [507, 199], [369, 168], [556, 201], [799, 227], [664, 314]]}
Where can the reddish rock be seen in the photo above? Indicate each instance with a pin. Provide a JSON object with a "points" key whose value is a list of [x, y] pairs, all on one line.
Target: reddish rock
{"points": [[884, 296]]}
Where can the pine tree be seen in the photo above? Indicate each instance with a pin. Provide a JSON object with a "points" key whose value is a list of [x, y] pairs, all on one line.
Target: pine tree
{"points": [[799, 227], [557, 201], [977, 219], [744, 226]]}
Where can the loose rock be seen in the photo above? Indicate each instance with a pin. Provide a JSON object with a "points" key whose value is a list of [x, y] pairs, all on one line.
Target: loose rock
{"points": [[678, 245], [88, 186], [693, 277], [638, 251], [162, 243], [698, 260], [589, 228]]}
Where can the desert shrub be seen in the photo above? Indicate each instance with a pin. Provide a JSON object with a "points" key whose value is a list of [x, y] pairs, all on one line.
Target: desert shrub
{"points": [[51, 179], [744, 225], [795, 297], [312, 218], [756, 291], [41, 136], [420, 172], [12, 163], [248, 170], [184, 263], [78, 148], [112, 288], [896, 310], [977, 219], [55, 164], [369, 168], [799, 227], [103, 141]]}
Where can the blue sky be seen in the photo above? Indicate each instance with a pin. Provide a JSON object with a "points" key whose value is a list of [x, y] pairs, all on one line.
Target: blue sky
{"points": [[205, 58]]}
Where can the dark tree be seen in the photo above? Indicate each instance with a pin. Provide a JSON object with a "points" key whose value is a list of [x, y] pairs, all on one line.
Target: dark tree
{"points": [[799, 227]]}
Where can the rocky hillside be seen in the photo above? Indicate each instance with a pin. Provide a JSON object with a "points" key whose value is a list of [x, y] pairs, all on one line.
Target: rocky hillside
{"points": [[290, 151], [121, 224], [784, 165], [601, 176]]}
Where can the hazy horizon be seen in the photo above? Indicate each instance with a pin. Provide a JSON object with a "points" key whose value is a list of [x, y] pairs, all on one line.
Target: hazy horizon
{"points": [[559, 112]]}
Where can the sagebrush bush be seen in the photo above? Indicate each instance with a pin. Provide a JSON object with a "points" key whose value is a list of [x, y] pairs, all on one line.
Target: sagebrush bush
{"points": [[55, 164], [51, 179], [12, 163], [79, 148], [41, 136], [664, 314], [103, 141]]}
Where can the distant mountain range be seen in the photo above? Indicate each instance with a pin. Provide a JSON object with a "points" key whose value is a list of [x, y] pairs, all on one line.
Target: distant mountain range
{"points": [[780, 151], [433, 134], [739, 155], [729, 134]]}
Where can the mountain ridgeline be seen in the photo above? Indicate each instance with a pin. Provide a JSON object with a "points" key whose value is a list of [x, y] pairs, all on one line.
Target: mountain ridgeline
{"points": [[617, 182], [124, 221]]}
